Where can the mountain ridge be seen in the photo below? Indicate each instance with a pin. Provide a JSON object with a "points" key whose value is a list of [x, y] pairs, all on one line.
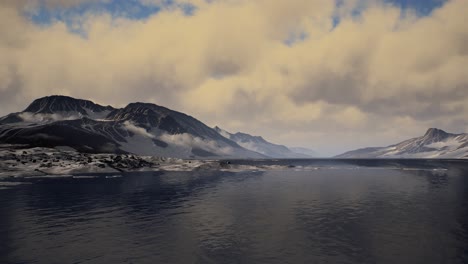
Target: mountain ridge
{"points": [[259, 144], [55, 103], [138, 128], [435, 143]]}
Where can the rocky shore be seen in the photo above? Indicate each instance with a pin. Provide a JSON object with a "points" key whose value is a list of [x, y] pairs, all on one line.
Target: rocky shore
{"points": [[21, 161], [18, 160]]}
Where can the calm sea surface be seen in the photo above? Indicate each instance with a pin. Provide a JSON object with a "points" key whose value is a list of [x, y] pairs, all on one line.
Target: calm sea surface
{"points": [[317, 211]]}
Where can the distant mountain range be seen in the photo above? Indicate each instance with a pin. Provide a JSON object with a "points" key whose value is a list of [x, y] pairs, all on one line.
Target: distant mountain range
{"points": [[138, 128], [149, 129], [435, 143], [260, 145]]}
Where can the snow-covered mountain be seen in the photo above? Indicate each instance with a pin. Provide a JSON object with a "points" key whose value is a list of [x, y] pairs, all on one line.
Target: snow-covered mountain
{"points": [[260, 145], [139, 128], [435, 143]]}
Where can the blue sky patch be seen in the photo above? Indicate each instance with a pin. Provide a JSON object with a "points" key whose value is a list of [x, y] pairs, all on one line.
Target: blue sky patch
{"points": [[422, 7], [134, 9]]}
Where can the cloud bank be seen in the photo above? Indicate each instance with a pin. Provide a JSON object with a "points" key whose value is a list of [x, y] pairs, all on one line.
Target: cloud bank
{"points": [[137, 130], [185, 140], [323, 74], [44, 118]]}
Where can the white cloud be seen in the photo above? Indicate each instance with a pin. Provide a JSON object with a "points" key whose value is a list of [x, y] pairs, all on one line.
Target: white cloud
{"points": [[137, 130], [43, 118], [227, 64], [187, 140]]}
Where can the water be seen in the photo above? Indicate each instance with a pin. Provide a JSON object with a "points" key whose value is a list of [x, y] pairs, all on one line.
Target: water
{"points": [[315, 212]]}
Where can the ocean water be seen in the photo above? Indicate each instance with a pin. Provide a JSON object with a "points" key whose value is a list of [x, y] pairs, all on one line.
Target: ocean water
{"points": [[316, 211]]}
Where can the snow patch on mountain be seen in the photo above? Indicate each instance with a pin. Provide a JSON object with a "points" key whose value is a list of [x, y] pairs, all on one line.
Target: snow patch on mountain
{"points": [[449, 143]]}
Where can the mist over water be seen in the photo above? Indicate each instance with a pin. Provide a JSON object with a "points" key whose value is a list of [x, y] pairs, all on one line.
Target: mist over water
{"points": [[361, 212]]}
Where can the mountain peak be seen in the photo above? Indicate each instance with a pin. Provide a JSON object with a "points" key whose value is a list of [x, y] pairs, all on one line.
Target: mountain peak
{"points": [[141, 104], [61, 103], [435, 132]]}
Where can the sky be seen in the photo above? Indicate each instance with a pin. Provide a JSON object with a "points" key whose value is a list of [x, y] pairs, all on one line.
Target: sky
{"points": [[328, 75]]}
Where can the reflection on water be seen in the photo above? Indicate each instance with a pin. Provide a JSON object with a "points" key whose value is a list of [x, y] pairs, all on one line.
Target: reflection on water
{"points": [[366, 215]]}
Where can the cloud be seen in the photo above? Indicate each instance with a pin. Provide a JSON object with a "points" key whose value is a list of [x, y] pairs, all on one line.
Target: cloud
{"points": [[32, 5], [187, 140], [263, 67], [137, 130], [44, 118], [351, 116]]}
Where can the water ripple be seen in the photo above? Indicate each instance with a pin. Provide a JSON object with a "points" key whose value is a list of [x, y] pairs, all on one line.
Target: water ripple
{"points": [[376, 215]]}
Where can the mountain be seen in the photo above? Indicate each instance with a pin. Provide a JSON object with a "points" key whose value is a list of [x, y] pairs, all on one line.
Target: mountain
{"points": [[435, 143], [138, 128], [260, 145], [305, 151], [54, 108], [65, 104]]}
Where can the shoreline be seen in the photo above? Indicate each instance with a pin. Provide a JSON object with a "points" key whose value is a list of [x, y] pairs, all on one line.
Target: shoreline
{"points": [[18, 161]]}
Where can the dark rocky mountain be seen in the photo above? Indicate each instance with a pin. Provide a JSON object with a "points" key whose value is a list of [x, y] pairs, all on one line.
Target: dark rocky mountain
{"points": [[435, 143], [56, 104], [57, 107], [139, 128], [260, 145], [154, 116], [103, 138]]}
